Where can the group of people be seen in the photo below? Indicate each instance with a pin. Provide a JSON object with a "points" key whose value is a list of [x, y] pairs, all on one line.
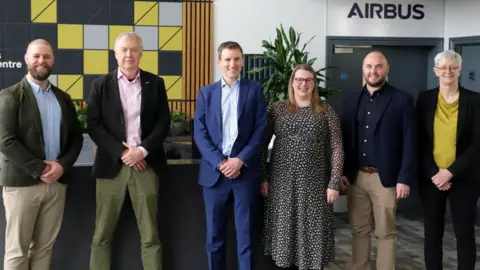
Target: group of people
{"points": [[370, 151], [380, 145]]}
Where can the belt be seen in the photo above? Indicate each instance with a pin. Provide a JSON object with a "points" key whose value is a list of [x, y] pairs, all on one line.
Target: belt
{"points": [[368, 169]]}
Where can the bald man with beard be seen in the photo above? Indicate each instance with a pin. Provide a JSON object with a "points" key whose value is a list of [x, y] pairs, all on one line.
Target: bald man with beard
{"points": [[378, 128], [41, 139]]}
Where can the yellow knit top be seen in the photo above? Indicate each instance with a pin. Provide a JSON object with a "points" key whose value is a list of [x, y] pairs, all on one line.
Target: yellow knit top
{"points": [[445, 133]]}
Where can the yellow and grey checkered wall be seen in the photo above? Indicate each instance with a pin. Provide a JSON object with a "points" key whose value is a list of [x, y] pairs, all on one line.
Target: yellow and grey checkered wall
{"points": [[83, 32]]}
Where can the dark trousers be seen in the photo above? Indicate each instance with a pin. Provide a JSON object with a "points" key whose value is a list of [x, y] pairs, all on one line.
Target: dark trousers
{"points": [[462, 197], [245, 193]]}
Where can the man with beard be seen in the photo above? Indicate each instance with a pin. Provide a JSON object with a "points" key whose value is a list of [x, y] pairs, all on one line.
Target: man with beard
{"points": [[41, 139], [378, 126]]}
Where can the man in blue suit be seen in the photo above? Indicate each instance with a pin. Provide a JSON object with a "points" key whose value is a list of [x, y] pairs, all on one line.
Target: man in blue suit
{"points": [[229, 130]]}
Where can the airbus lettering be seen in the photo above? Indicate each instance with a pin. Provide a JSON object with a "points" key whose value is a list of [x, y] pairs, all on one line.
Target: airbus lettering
{"points": [[388, 11]]}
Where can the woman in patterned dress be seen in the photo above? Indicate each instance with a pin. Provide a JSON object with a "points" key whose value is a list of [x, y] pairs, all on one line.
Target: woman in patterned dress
{"points": [[301, 184]]}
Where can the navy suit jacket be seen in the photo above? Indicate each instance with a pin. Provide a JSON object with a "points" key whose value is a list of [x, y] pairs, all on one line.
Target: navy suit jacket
{"points": [[252, 123], [394, 137]]}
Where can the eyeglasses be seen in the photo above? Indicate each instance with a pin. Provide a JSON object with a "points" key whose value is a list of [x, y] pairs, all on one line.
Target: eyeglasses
{"points": [[301, 80], [444, 69]]}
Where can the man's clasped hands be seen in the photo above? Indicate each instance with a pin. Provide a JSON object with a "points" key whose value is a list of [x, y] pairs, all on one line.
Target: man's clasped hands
{"points": [[231, 167]]}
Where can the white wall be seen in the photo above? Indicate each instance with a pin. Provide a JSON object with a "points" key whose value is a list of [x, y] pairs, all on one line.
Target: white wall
{"points": [[251, 21], [461, 19]]}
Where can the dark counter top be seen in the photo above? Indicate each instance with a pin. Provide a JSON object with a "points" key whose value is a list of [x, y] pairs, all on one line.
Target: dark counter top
{"points": [[183, 161], [181, 225], [169, 162]]}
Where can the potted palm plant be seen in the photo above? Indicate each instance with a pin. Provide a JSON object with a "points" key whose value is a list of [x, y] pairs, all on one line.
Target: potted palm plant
{"points": [[281, 55]]}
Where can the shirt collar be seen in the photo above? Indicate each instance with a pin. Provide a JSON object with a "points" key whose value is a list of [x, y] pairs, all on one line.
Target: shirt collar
{"points": [[378, 92], [237, 81], [36, 88], [121, 75]]}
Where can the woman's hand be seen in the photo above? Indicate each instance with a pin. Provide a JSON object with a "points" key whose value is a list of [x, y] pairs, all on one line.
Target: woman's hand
{"points": [[445, 187], [441, 178], [264, 189], [332, 195]]}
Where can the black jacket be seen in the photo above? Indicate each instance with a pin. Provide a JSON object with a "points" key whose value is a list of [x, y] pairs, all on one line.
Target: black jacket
{"points": [[106, 123], [394, 137], [468, 135]]}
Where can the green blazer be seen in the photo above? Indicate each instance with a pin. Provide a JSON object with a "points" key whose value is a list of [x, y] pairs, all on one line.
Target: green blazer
{"points": [[21, 137]]}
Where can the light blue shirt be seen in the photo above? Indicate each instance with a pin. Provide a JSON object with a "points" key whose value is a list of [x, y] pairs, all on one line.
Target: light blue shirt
{"points": [[229, 115], [51, 116]]}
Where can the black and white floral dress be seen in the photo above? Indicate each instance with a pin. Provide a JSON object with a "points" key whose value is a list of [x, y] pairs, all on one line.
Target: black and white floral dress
{"points": [[299, 224]]}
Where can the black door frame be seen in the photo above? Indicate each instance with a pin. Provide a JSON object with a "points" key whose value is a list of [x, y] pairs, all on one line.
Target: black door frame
{"points": [[457, 43], [332, 41]]}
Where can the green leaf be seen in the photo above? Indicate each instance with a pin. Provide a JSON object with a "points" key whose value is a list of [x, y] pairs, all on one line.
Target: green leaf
{"points": [[279, 39], [293, 36], [257, 69], [267, 45], [310, 62], [308, 42], [285, 38]]}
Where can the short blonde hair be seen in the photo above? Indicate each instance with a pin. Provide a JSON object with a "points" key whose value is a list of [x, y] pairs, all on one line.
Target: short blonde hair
{"points": [[130, 36]]}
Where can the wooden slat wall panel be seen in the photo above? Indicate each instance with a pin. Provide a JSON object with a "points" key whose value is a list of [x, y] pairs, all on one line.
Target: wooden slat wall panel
{"points": [[197, 53]]}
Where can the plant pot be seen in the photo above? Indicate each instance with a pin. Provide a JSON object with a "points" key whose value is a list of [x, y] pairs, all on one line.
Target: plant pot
{"points": [[178, 128]]}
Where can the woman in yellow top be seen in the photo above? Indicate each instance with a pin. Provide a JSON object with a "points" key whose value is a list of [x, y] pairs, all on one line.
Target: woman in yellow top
{"points": [[448, 143]]}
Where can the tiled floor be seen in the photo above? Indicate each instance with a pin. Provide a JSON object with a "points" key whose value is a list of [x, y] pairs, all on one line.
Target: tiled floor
{"points": [[410, 245]]}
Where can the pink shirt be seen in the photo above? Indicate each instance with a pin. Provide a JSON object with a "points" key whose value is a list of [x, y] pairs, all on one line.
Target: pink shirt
{"points": [[131, 97]]}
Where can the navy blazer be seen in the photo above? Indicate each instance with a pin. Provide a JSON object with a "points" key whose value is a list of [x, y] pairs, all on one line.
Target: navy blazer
{"points": [[468, 133], [394, 137], [252, 123]]}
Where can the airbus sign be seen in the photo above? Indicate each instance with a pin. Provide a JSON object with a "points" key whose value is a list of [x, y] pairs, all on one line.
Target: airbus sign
{"points": [[387, 11], [386, 18]]}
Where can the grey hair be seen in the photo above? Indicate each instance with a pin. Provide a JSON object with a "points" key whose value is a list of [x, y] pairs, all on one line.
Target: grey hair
{"points": [[448, 55], [130, 36]]}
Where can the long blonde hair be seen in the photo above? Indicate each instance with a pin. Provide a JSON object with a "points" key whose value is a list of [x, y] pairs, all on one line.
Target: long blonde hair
{"points": [[317, 104]]}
